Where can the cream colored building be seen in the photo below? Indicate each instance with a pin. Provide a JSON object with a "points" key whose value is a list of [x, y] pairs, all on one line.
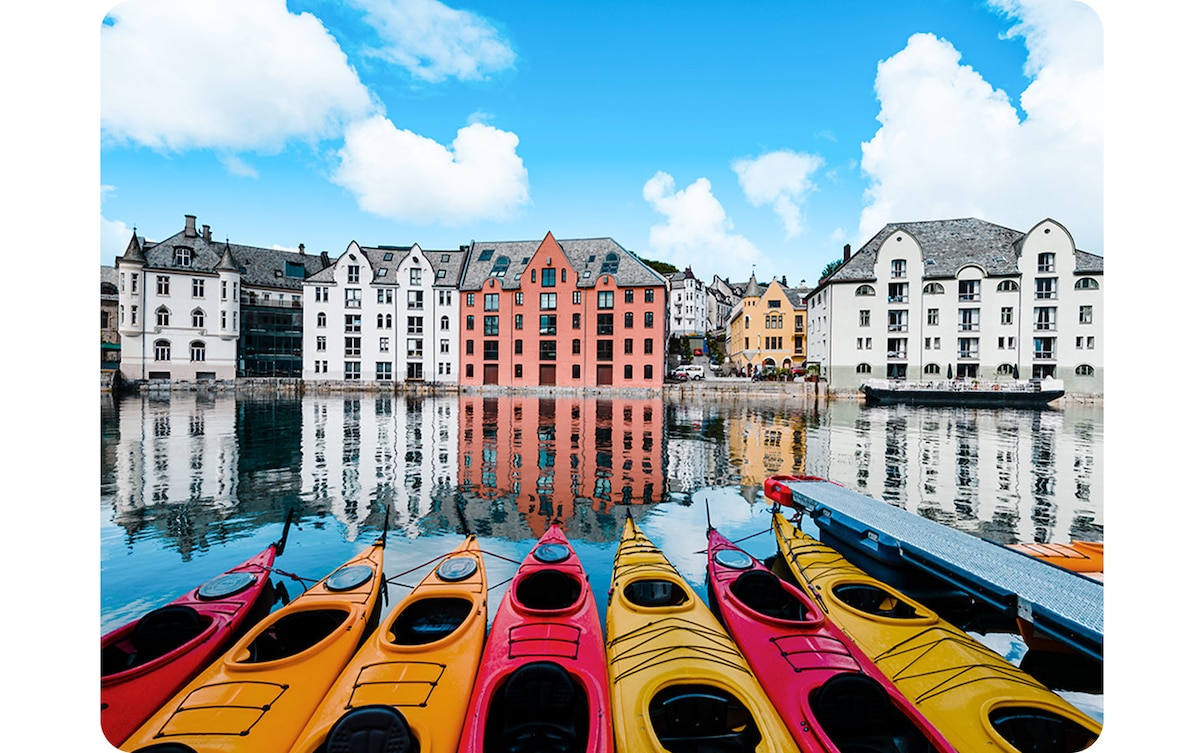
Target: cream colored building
{"points": [[768, 327]]}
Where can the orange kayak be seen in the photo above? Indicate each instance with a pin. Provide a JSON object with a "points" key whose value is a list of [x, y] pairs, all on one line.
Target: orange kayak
{"points": [[1085, 557]]}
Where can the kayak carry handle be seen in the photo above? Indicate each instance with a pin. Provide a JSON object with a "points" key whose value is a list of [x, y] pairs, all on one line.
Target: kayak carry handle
{"points": [[776, 489]]}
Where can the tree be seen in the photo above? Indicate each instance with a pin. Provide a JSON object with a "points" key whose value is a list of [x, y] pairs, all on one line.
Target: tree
{"points": [[830, 268], [662, 267]]}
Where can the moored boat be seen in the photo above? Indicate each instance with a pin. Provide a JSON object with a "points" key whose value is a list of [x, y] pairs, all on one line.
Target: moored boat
{"points": [[542, 682], [410, 684], [678, 681], [1084, 557], [974, 696], [146, 661], [1034, 393], [258, 695], [827, 691]]}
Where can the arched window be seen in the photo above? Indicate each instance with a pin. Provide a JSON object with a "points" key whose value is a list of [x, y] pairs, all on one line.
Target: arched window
{"points": [[932, 368], [934, 288], [1005, 369], [196, 351], [162, 350], [863, 368], [198, 318], [864, 290], [1084, 369], [444, 323], [1087, 283], [1007, 286], [162, 317], [610, 265], [746, 322], [321, 318]]}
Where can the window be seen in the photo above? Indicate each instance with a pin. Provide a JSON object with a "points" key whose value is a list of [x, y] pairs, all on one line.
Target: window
{"points": [[518, 321], [896, 347], [351, 323], [1006, 315], [576, 371], [470, 300], [1085, 314], [648, 346], [932, 368], [1046, 318], [1007, 286], [225, 291], [649, 320], [932, 343], [1047, 287], [896, 292], [934, 317], [649, 295], [967, 347], [1087, 342], [491, 326], [896, 321], [198, 288], [321, 367], [162, 350], [351, 370], [414, 300], [321, 342], [969, 290], [606, 299], [628, 346], [468, 366], [1044, 348], [414, 324], [1084, 369], [863, 318], [162, 317], [547, 324], [133, 314], [548, 278], [384, 371], [353, 274], [1045, 261], [518, 371], [321, 318], [351, 346], [628, 296], [898, 268], [606, 350], [491, 301], [134, 283], [863, 368], [1007, 343], [196, 351], [384, 345], [198, 318], [491, 350], [864, 290], [647, 371], [576, 346], [445, 346], [1087, 283], [547, 350], [385, 295], [470, 322], [468, 347], [934, 288], [518, 347], [576, 296], [547, 301], [351, 298], [627, 371], [416, 276], [183, 257], [968, 320], [606, 324], [321, 294], [163, 285], [628, 320], [444, 323]]}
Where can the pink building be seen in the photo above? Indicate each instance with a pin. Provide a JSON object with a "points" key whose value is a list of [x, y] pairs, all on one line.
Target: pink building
{"points": [[582, 313]]}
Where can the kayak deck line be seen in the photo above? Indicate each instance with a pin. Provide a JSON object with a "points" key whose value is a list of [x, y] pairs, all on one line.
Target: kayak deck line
{"points": [[1062, 604]]}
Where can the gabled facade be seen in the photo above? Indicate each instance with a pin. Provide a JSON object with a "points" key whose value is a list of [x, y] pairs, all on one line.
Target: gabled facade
{"points": [[768, 328], [383, 314], [578, 313], [687, 305], [190, 308], [962, 298], [720, 297]]}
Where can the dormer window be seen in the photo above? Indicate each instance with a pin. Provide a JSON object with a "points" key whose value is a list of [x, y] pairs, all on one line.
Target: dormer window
{"points": [[183, 256], [1045, 262], [610, 265], [898, 268]]}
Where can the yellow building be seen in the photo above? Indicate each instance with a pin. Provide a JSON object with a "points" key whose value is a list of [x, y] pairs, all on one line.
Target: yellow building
{"points": [[768, 329]]}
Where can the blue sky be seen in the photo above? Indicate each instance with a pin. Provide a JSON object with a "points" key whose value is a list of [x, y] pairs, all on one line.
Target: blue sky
{"points": [[719, 135]]}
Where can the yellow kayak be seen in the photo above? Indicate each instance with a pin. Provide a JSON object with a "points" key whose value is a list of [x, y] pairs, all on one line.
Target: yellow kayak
{"points": [[975, 697], [410, 684], [678, 682], [257, 696]]}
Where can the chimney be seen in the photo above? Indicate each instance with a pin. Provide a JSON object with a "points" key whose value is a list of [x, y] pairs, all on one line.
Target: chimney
{"points": [[190, 226], [301, 248], [847, 249], [205, 233], [463, 248], [325, 260]]}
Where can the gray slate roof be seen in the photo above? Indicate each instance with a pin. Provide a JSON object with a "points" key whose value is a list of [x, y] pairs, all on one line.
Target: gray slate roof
{"points": [[948, 245], [586, 257]]}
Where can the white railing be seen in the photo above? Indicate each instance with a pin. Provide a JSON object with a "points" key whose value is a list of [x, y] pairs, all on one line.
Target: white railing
{"points": [[967, 385]]}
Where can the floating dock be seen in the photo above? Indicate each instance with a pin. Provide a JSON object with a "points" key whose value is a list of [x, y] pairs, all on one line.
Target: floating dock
{"points": [[1061, 604]]}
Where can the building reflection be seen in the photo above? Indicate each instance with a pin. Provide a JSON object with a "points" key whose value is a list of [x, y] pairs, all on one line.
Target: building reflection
{"points": [[570, 459]]}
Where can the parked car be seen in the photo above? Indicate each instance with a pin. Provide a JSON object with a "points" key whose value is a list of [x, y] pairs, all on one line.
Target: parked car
{"points": [[691, 372], [698, 351], [676, 376]]}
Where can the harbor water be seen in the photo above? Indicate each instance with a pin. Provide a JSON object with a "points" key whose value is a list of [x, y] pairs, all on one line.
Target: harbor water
{"points": [[192, 483]]}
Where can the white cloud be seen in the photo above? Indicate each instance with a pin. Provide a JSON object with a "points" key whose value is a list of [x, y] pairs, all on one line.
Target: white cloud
{"points": [[434, 42], [228, 74], [951, 145], [697, 230], [401, 175], [781, 178]]}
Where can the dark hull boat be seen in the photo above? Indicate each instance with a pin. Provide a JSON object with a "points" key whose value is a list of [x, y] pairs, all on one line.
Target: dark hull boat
{"points": [[1035, 393]]}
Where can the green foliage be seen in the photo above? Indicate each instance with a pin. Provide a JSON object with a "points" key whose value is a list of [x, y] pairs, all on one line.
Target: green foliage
{"points": [[830, 268], [663, 267]]}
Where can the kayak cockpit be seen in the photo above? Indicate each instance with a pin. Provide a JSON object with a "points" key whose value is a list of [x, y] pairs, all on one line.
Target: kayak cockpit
{"points": [[763, 592], [651, 593], [1039, 730], [548, 590], [293, 634], [539, 708], [429, 620], [856, 713], [158, 633], [698, 718], [872, 599]]}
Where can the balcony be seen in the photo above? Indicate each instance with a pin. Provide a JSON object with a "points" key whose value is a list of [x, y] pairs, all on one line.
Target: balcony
{"points": [[898, 355], [1043, 355], [967, 327], [896, 328], [896, 299], [967, 355]]}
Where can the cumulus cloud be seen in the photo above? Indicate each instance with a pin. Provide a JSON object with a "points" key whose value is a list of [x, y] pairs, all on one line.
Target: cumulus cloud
{"points": [[114, 234], [226, 74], [400, 175], [434, 42], [952, 145], [697, 227], [782, 179]]}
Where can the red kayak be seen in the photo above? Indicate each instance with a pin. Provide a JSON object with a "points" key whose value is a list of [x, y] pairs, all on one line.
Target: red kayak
{"points": [[542, 684], [830, 694], [145, 662]]}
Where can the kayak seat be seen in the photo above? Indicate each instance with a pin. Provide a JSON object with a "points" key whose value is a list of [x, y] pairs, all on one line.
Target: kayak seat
{"points": [[871, 599], [539, 709], [857, 714], [1031, 730], [429, 620], [702, 719], [371, 729], [164, 629], [548, 590], [655, 593], [762, 592]]}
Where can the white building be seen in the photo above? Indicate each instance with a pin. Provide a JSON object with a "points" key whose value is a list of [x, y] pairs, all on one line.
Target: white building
{"points": [[386, 314], [184, 306], [720, 299], [925, 300], [687, 304]]}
